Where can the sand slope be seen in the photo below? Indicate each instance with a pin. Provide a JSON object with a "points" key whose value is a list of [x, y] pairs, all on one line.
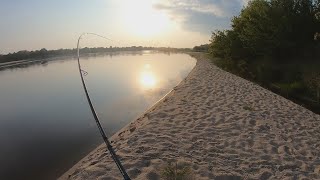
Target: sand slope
{"points": [[222, 126]]}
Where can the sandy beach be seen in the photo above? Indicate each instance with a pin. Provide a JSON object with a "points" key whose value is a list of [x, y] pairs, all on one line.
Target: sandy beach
{"points": [[219, 125]]}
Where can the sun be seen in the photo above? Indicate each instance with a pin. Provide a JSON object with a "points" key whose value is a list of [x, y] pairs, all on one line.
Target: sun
{"points": [[141, 19]]}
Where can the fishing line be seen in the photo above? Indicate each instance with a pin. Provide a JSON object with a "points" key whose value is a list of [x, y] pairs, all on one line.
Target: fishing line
{"points": [[103, 134]]}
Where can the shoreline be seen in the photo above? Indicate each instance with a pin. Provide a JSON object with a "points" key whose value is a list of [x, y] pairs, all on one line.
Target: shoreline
{"points": [[125, 128], [221, 126]]}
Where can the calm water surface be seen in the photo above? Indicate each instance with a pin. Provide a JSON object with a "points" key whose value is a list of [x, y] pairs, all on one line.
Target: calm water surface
{"points": [[45, 123]]}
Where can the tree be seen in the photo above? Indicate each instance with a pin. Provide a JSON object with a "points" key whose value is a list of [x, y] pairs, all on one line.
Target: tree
{"points": [[279, 29], [272, 42], [201, 48]]}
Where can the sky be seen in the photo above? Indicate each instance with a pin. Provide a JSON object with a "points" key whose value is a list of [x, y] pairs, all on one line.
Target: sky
{"points": [[36, 24]]}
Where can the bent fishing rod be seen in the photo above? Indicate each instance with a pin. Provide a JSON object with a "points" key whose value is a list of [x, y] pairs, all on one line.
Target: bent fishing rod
{"points": [[103, 134]]}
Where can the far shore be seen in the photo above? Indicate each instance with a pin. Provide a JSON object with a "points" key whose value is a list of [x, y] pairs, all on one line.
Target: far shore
{"points": [[221, 127], [27, 61]]}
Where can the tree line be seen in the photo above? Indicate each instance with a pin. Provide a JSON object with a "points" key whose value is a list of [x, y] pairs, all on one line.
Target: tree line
{"points": [[44, 53], [275, 43]]}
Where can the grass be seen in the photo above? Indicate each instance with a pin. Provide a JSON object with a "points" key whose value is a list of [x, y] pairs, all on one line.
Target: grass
{"points": [[176, 171], [248, 108]]}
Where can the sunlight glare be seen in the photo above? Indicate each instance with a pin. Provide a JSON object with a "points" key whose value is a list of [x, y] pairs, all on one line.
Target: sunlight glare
{"points": [[140, 18], [147, 66], [147, 79]]}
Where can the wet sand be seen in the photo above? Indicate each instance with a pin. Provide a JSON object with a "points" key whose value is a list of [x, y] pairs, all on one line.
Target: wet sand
{"points": [[219, 125]]}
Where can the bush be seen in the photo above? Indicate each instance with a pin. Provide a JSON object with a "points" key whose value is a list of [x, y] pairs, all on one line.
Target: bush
{"points": [[175, 171]]}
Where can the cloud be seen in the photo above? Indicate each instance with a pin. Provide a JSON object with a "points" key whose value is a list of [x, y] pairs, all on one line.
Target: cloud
{"points": [[201, 16], [189, 5]]}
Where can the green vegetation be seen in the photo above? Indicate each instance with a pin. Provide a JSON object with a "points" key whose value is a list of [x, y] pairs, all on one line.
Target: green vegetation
{"points": [[248, 108], [275, 43], [201, 48], [175, 171]]}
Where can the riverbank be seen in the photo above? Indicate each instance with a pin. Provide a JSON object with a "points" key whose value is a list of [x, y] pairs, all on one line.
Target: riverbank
{"points": [[219, 125]]}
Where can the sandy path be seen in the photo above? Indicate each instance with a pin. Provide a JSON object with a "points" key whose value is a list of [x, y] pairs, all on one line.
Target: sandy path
{"points": [[222, 126]]}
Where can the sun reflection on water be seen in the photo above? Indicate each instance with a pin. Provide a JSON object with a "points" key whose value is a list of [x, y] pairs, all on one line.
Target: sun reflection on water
{"points": [[147, 77]]}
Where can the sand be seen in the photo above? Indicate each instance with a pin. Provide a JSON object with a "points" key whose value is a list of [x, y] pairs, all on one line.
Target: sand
{"points": [[219, 125]]}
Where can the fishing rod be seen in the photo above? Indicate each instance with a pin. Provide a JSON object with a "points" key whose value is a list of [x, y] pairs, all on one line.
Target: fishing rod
{"points": [[103, 134]]}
